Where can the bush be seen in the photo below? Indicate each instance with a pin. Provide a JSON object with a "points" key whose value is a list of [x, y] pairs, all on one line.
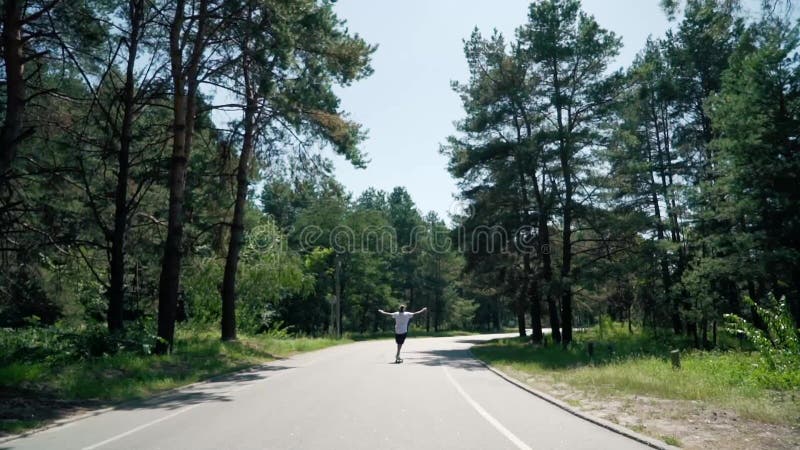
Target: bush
{"points": [[58, 345], [778, 345], [268, 275], [22, 298]]}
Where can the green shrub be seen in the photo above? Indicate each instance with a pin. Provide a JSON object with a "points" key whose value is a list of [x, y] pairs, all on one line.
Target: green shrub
{"points": [[778, 345], [58, 344], [269, 273]]}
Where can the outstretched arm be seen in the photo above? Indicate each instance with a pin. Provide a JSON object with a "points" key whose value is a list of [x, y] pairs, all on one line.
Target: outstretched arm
{"points": [[421, 311], [384, 312]]}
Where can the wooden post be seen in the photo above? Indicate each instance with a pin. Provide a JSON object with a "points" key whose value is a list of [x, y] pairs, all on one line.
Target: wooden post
{"points": [[675, 355]]}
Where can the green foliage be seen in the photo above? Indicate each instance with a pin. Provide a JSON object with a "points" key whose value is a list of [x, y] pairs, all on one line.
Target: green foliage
{"points": [[59, 344], [23, 298], [638, 364], [778, 344], [269, 274], [132, 375], [673, 188]]}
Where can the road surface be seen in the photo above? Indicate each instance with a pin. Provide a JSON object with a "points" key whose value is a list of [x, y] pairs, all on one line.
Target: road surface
{"points": [[345, 397]]}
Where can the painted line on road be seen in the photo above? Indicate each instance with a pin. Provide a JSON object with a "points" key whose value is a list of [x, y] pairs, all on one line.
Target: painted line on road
{"points": [[141, 427], [495, 423], [646, 440], [179, 412]]}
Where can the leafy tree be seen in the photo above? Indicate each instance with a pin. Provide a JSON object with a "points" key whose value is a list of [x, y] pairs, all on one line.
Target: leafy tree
{"points": [[288, 57], [407, 224], [501, 157], [573, 53], [754, 193]]}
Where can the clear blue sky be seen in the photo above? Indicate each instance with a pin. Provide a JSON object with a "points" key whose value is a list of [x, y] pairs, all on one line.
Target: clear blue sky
{"points": [[407, 104]]}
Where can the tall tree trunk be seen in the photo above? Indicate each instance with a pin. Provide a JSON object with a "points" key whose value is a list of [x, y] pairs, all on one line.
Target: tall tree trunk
{"points": [[338, 289], [184, 108], [704, 332], [14, 59], [428, 320], [522, 298], [496, 316], [437, 295], [524, 216], [531, 290], [436, 316], [547, 263], [666, 278], [714, 333], [665, 174], [116, 300], [566, 236], [565, 157], [242, 185], [547, 276], [535, 305]]}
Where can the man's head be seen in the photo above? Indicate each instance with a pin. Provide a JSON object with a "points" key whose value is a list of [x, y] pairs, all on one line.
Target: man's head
{"points": [[402, 308]]}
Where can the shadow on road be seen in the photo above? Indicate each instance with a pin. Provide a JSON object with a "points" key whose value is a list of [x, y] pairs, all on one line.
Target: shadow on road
{"points": [[175, 401], [472, 341], [216, 389], [461, 359], [255, 373]]}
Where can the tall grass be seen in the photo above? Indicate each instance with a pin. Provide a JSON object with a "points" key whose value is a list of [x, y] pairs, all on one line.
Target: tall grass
{"points": [[129, 375], [638, 364]]}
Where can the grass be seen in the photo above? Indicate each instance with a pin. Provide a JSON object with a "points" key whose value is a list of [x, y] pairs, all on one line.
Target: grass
{"points": [[128, 376], [638, 364], [15, 426]]}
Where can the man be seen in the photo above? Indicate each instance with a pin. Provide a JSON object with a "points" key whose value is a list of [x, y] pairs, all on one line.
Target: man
{"points": [[401, 320]]}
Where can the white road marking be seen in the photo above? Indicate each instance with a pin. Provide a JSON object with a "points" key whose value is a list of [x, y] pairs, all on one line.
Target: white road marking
{"points": [[141, 427], [503, 430], [176, 413]]}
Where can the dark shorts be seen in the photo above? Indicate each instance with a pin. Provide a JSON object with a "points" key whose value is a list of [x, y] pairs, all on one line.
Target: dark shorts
{"points": [[400, 338]]}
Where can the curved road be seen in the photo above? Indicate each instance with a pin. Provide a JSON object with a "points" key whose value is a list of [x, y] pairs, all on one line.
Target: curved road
{"points": [[346, 397]]}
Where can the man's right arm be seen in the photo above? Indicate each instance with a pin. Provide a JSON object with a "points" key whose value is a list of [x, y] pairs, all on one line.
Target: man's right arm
{"points": [[384, 312], [421, 311]]}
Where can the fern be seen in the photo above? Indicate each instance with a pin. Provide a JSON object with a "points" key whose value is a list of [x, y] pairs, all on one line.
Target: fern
{"points": [[779, 345]]}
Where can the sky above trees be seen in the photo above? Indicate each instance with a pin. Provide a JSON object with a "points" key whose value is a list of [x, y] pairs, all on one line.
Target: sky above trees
{"points": [[407, 104]]}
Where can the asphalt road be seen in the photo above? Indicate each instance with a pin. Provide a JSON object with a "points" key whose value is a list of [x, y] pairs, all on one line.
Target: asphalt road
{"points": [[346, 397]]}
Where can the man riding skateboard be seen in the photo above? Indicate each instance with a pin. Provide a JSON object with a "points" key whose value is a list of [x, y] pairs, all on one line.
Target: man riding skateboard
{"points": [[401, 320]]}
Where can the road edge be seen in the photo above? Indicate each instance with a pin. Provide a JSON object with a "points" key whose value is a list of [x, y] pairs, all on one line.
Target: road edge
{"points": [[646, 440], [96, 412]]}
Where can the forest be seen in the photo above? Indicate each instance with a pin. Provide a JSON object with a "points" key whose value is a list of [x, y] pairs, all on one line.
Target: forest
{"points": [[169, 163], [662, 193]]}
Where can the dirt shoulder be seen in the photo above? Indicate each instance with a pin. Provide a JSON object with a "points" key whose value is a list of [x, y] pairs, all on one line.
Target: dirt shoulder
{"points": [[687, 424]]}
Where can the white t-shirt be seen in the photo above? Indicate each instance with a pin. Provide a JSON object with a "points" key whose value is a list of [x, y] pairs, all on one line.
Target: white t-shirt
{"points": [[401, 320]]}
